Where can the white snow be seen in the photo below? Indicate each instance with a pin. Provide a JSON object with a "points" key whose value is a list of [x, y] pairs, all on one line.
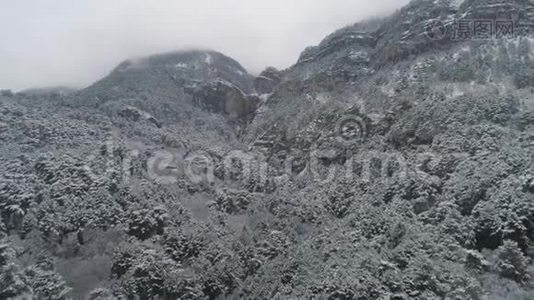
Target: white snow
{"points": [[322, 98], [461, 51], [265, 97], [265, 78], [359, 55], [208, 59], [457, 3], [457, 91]]}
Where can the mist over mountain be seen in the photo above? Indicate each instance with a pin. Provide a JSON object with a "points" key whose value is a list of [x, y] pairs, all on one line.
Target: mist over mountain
{"points": [[67, 43], [393, 160]]}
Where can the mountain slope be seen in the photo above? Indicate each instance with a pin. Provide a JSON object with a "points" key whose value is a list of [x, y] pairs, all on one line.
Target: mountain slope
{"points": [[392, 161]]}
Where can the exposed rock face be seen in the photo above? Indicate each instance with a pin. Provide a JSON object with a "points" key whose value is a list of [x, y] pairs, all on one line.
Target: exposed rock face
{"points": [[134, 114], [268, 80], [526, 120], [3, 126], [407, 31], [6, 93], [424, 25], [356, 53], [519, 11], [225, 98], [163, 87], [344, 53], [164, 77]]}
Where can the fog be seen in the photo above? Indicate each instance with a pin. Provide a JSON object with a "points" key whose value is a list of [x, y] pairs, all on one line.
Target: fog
{"points": [[74, 43]]}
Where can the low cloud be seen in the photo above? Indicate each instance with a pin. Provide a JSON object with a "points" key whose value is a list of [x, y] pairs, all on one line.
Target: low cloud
{"points": [[74, 43]]}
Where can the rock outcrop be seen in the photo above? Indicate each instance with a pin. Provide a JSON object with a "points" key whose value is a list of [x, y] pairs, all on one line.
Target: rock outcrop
{"points": [[224, 98], [345, 53], [164, 77], [134, 114], [268, 81]]}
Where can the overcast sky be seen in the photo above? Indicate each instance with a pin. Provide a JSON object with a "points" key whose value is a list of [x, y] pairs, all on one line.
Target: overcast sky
{"points": [[76, 42]]}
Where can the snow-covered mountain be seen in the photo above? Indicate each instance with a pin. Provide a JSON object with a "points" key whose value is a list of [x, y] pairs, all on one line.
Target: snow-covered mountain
{"points": [[394, 160]]}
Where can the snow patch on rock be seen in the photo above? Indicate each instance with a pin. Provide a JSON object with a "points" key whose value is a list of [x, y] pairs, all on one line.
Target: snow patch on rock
{"points": [[181, 66], [208, 59]]}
